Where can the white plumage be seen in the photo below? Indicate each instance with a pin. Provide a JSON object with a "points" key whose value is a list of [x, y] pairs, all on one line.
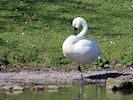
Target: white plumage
{"points": [[78, 48]]}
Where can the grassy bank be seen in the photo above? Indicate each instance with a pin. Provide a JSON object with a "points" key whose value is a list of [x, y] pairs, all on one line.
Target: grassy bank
{"points": [[32, 31]]}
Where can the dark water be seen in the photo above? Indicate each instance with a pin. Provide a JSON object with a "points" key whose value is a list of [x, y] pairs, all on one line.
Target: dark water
{"points": [[71, 93]]}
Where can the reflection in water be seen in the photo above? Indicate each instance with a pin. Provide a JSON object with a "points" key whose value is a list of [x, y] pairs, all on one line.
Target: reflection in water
{"points": [[12, 93], [113, 95], [100, 93], [53, 91], [81, 92]]}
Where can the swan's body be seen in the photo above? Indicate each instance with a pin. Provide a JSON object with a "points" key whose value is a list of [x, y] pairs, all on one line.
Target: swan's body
{"points": [[78, 48], [82, 51]]}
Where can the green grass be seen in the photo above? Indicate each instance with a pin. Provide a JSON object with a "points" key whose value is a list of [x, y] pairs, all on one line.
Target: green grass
{"points": [[32, 31]]}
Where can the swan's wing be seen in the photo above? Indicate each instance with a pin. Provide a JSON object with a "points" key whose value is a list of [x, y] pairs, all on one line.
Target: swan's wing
{"points": [[87, 42], [86, 50]]}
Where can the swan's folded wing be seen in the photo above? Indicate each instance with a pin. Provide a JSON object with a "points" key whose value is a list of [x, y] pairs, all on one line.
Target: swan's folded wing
{"points": [[86, 51]]}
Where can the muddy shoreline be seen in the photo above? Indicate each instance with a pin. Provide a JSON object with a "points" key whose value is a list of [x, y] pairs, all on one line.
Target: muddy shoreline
{"points": [[48, 78]]}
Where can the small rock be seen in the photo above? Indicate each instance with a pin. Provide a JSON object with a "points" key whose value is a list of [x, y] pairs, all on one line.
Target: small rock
{"points": [[17, 88], [113, 83], [121, 83], [38, 87], [1, 88], [52, 87], [12, 93], [118, 65], [12, 88], [52, 91], [7, 87]]}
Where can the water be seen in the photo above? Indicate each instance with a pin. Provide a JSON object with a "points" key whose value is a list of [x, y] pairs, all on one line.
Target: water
{"points": [[71, 93]]}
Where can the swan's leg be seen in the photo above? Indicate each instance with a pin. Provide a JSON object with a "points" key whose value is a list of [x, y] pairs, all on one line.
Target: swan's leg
{"points": [[81, 73]]}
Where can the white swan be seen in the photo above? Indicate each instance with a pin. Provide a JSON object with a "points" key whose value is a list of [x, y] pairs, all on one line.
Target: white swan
{"points": [[78, 48]]}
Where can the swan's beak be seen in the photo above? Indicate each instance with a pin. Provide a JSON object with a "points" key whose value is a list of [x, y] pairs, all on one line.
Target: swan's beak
{"points": [[75, 30]]}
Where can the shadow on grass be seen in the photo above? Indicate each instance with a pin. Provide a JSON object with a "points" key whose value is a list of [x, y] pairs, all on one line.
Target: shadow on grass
{"points": [[107, 75]]}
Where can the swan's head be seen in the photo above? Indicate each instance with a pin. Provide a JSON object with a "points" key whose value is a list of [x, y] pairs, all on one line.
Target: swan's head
{"points": [[77, 23]]}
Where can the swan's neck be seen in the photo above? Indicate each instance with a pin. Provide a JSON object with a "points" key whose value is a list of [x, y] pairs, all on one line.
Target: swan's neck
{"points": [[83, 31]]}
